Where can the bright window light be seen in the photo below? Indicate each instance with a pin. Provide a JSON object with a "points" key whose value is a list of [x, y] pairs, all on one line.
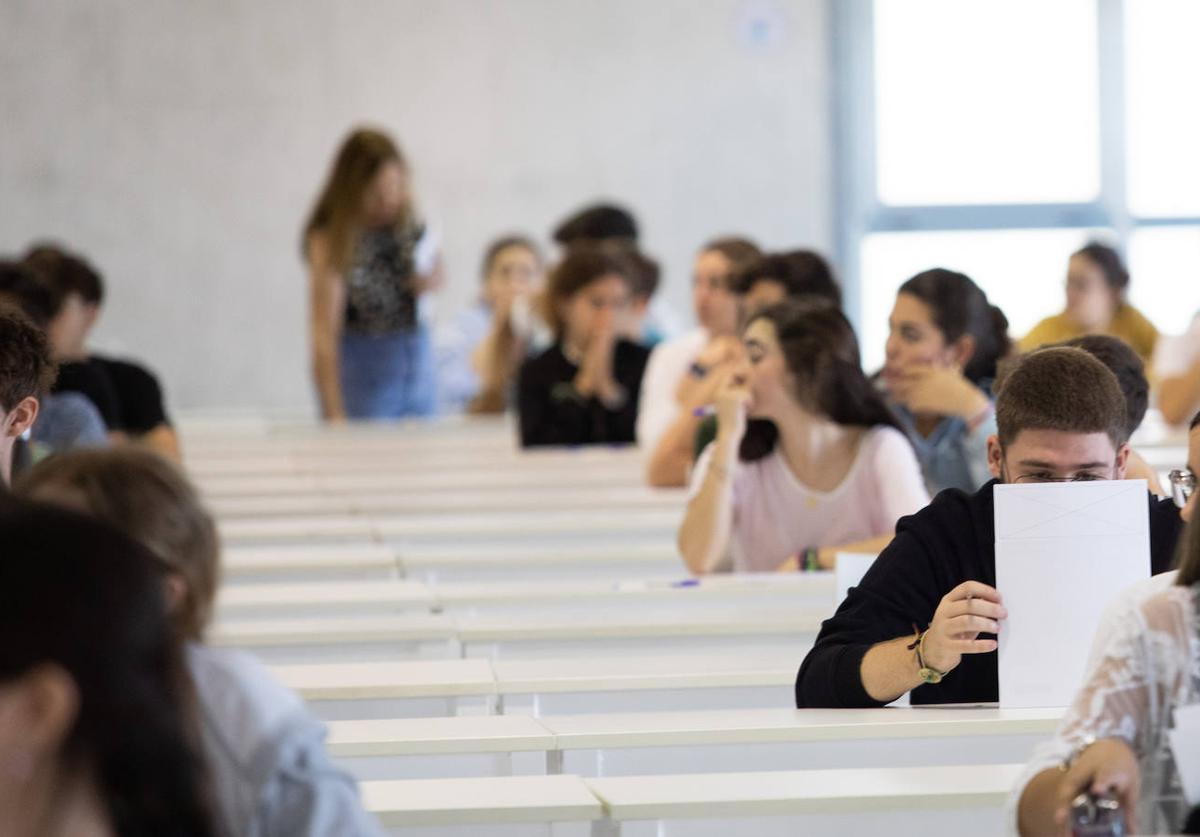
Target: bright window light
{"points": [[986, 102], [1162, 120], [1164, 270]]}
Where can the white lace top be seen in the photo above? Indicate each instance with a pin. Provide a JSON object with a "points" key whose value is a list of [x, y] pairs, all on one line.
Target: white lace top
{"points": [[1149, 665]]}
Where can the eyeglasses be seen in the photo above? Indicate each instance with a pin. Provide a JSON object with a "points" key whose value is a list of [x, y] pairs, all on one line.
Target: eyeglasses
{"points": [[1183, 483], [1045, 476]]}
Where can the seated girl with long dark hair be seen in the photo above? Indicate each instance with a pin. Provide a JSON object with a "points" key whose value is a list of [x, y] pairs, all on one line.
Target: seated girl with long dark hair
{"points": [[808, 460], [94, 738], [268, 769]]}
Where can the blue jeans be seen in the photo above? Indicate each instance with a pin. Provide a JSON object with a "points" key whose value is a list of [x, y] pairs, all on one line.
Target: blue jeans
{"points": [[388, 376]]}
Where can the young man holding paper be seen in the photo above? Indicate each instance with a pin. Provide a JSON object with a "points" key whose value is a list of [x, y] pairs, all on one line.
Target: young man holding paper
{"points": [[924, 617]]}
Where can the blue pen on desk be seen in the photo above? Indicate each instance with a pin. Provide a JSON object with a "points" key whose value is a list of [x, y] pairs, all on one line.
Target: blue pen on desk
{"points": [[704, 412], [687, 582]]}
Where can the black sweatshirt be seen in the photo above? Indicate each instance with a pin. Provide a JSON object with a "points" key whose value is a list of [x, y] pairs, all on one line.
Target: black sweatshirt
{"points": [[552, 412], [950, 541]]}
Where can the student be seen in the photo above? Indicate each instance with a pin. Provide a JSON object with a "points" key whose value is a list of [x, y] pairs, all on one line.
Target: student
{"points": [[787, 275], [26, 373], [93, 732], [1123, 362], [768, 281], [491, 338], [1060, 416], [944, 339], [583, 389], [684, 373], [596, 223], [270, 773], [65, 420], [646, 321], [1177, 367], [1097, 284], [130, 393], [638, 325], [807, 460], [1114, 735], [370, 259]]}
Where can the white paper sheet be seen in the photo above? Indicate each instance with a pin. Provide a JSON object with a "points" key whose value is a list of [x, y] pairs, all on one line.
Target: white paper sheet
{"points": [[848, 571], [1063, 552], [1185, 745]]}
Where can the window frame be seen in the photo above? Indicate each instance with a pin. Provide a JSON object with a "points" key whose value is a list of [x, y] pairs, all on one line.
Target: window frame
{"points": [[858, 212]]}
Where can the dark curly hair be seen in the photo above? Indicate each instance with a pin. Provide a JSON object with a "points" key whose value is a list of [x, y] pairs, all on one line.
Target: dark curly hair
{"points": [[26, 366]]}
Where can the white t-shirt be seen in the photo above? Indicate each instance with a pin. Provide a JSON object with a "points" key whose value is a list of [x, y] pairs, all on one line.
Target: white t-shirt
{"points": [[775, 516], [1174, 356], [669, 363]]}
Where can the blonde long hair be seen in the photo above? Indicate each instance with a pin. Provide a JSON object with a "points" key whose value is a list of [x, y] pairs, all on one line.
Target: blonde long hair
{"points": [[338, 210]]}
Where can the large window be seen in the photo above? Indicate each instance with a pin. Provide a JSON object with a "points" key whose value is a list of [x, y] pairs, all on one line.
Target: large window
{"points": [[996, 137]]}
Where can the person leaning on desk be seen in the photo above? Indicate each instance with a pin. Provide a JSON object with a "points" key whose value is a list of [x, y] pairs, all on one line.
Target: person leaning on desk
{"points": [[924, 617]]}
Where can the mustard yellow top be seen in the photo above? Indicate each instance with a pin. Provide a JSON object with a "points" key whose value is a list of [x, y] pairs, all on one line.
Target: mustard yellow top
{"points": [[1128, 323]]}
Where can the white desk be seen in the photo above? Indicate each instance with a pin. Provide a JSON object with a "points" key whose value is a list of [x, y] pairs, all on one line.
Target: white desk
{"points": [[675, 594], [637, 683], [410, 689], [430, 748], [643, 632], [457, 803], [794, 739], [409, 502], [314, 639], [525, 525], [296, 530], [322, 598], [922, 800], [297, 562], [622, 744], [603, 558]]}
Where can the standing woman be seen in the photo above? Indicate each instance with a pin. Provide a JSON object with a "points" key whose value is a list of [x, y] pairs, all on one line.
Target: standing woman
{"points": [[944, 341], [1097, 283], [370, 258]]}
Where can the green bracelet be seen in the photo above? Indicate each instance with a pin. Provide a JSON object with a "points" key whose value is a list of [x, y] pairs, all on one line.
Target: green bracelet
{"points": [[809, 560]]}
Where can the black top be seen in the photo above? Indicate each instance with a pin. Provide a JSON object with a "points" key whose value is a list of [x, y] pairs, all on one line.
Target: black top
{"points": [[950, 541], [381, 295], [139, 396], [553, 413], [92, 380]]}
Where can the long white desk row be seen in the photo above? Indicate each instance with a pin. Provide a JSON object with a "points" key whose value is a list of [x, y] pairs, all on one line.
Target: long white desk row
{"points": [[597, 559], [399, 478], [619, 744], [629, 683], [519, 525], [403, 636], [411, 501], [931, 801], [382, 458], [547, 596]]}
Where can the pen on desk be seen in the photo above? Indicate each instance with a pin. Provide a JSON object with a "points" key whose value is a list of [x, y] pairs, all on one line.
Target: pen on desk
{"points": [[687, 582], [704, 412]]}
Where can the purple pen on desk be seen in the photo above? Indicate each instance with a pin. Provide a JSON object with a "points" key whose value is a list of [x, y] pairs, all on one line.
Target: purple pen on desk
{"points": [[704, 412], [687, 582]]}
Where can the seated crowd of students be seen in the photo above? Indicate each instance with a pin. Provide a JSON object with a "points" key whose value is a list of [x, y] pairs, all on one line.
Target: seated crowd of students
{"points": [[790, 451]]}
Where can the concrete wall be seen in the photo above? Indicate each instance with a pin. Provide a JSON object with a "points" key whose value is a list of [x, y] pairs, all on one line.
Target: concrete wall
{"points": [[179, 145]]}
